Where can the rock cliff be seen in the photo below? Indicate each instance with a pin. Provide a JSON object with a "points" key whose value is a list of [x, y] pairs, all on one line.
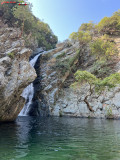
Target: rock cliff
{"points": [[15, 72], [57, 78]]}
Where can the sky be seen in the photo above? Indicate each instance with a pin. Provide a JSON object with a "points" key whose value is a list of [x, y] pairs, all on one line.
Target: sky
{"points": [[66, 16]]}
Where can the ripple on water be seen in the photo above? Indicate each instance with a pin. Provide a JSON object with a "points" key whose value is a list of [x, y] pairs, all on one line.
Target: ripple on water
{"points": [[60, 139]]}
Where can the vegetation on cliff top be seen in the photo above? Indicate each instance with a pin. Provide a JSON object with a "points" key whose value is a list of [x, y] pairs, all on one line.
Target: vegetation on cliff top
{"points": [[98, 37], [110, 25], [33, 29]]}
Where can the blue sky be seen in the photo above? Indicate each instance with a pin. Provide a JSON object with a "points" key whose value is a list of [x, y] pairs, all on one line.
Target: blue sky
{"points": [[66, 16]]}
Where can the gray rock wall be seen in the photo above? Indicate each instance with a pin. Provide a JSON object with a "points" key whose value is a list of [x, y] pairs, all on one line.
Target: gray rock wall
{"points": [[64, 101], [15, 72], [71, 103]]}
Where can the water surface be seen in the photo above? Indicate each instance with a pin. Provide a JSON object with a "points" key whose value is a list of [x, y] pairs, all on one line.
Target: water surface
{"points": [[60, 139]]}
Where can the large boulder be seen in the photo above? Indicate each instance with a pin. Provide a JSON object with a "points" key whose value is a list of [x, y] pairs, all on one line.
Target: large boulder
{"points": [[15, 72]]}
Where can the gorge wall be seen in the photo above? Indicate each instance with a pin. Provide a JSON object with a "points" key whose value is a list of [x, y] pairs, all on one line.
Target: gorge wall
{"points": [[52, 92], [15, 72], [65, 101]]}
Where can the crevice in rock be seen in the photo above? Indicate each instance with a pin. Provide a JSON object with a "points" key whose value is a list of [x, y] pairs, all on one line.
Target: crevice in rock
{"points": [[39, 106]]}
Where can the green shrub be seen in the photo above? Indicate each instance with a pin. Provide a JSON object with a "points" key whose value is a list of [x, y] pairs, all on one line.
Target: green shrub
{"points": [[63, 66], [110, 81], [81, 36], [11, 55], [22, 17], [109, 113], [61, 55], [74, 58], [92, 80], [103, 49], [87, 27], [110, 25], [67, 64], [100, 69]]}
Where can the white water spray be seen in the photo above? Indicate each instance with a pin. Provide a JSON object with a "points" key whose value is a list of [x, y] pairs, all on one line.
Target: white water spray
{"points": [[28, 92]]}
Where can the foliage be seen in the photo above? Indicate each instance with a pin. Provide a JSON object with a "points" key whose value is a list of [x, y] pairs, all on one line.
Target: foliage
{"points": [[105, 37], [103, 49], [84, 77], [87, 27], [6, 12], [99, 84], [67, 64], [74, 36], [100, 68], [74, 58], [63, 66], [109, 112], [21, 16], [110, 25], [117, 13], [11, 55], [61, 55], [109, 82], [81, 36], [22, 13]]}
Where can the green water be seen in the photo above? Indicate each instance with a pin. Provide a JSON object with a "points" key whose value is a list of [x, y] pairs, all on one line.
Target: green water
{"points": [[60, 139]]}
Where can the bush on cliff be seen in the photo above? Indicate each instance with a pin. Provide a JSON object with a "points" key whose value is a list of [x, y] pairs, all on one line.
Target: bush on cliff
{"points": [[103, 49], [67, 64], [62, 66], [22, 17], [81, 36], [110, 25], [87, 27], [101, 68]]}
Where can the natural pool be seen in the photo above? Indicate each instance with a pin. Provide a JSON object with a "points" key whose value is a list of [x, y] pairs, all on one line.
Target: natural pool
{"points": [[60, 139]]}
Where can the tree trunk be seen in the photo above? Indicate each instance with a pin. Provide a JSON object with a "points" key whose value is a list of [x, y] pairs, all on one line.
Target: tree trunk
{"points": [[22, 29], [88, 105], [85, 100]]}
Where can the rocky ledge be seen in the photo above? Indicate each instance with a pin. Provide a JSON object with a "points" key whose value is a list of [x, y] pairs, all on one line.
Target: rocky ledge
{"points": [[15, 72]]}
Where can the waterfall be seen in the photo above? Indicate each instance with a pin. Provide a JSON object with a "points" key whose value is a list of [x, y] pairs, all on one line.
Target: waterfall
{"points": [[28, 92]]}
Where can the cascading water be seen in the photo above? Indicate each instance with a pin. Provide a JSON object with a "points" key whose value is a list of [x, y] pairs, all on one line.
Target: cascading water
{"points": [[28, 92]]}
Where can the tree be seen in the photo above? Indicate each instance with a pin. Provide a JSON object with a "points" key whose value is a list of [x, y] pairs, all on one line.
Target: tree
{"points": [[23, 14], [87, 27], [6, 10], [32, 28], [74, 36], [83, 37], [110, 25], [117, 13], [103, 49], [95, 84]]}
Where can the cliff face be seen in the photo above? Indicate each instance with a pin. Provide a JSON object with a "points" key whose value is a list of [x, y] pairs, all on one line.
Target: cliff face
{"points": [[64, 101], [15, 72]]}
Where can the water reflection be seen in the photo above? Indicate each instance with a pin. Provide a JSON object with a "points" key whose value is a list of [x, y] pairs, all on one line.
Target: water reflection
{"points": [[60, 139]]}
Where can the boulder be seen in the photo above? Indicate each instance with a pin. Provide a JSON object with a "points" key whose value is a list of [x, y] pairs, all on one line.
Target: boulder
{"points": [[15, 72]]}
